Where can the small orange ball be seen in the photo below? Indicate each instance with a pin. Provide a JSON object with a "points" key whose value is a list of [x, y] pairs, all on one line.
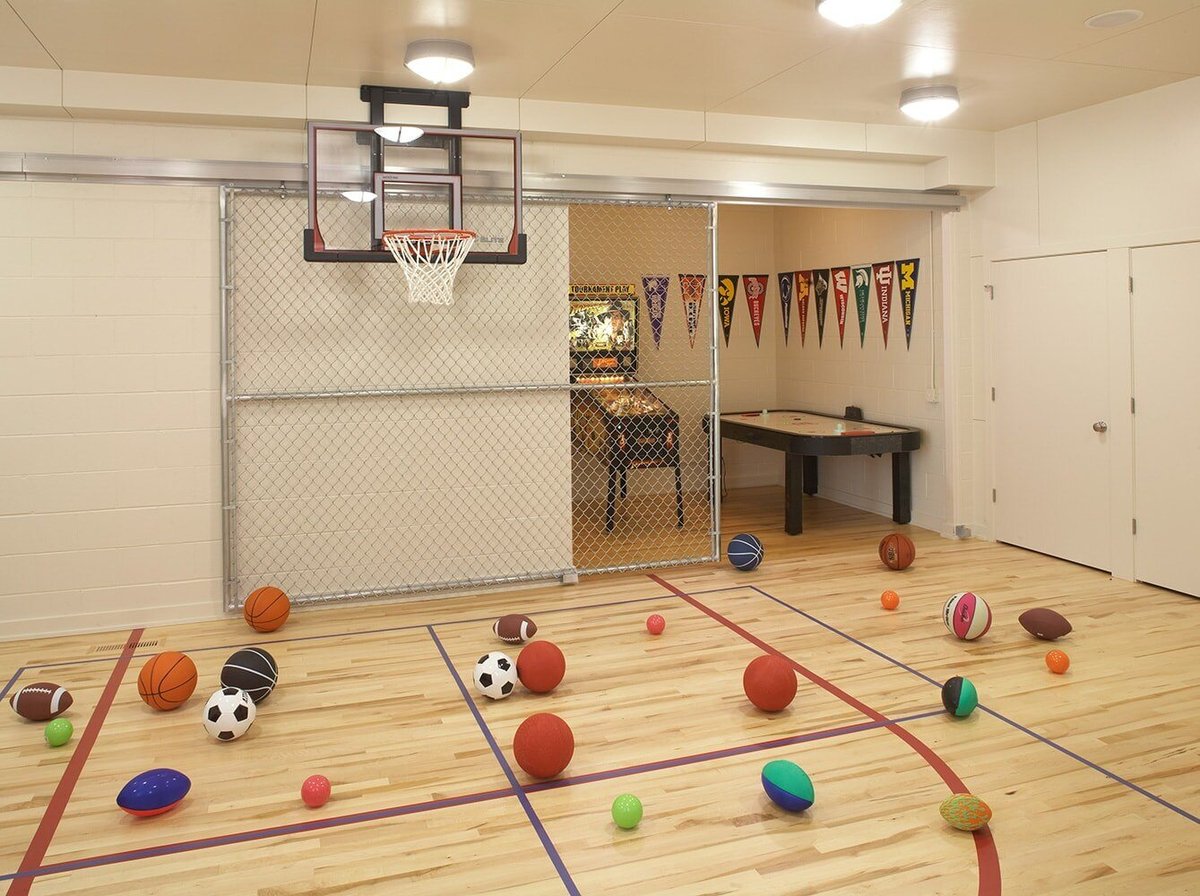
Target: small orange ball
{"points": [[889, 600], [1058, 662]]}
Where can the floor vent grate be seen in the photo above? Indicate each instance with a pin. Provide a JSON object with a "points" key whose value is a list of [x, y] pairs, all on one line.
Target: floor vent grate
{"points": [[120, 645]]}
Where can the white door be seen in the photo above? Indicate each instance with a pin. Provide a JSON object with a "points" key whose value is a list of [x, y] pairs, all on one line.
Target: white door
{"points": [[1050, 369], [1166, 426]]}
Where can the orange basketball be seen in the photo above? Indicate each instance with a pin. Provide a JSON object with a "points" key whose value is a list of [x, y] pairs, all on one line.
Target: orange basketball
{"points": [[266, 609], [897, 551], [889, 600], [541, 666], [167, 680]]}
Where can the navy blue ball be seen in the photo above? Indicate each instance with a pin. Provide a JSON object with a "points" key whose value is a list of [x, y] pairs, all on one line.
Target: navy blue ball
{"points": [[745, 552]]}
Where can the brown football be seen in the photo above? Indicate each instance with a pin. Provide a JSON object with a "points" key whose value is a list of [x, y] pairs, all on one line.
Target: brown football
{"points": [[40, 701], [514, 628], [1044, 623]]}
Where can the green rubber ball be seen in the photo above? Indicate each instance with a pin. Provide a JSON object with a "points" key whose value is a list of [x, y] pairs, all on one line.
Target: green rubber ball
{"points": [[627, 811], [59, 731]]}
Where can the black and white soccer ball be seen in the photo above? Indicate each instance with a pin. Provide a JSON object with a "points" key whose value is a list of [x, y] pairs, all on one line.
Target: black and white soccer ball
{"points": [[495, 675], [228, 714]]}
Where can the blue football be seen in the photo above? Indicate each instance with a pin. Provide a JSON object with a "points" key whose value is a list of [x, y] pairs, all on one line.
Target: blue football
{"points": [[153, 792]]}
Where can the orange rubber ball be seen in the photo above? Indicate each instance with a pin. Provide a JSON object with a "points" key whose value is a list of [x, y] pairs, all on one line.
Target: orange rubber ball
{"points": [[889, 600], [1057, 662]]}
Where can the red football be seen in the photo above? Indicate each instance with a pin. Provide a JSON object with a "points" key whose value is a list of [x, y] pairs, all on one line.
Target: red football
{"points": [[1045, 624], [514, 628], [40, 701]]}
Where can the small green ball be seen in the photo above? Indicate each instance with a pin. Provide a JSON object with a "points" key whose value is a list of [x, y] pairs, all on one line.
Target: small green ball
{"points": [[627, 811], [59, 731]]}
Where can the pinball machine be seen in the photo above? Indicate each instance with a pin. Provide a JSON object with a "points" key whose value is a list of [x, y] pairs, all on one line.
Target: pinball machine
{"points": [[625, 425]]}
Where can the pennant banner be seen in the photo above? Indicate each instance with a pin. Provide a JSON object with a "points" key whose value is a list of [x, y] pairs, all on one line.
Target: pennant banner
{"points": [[884, 273], [655, 289], [727, 285], [692, 286], [862, 299], [756, 297], [803, 290], [908, 294], [821, 292], [841, 299], [785, 300]]}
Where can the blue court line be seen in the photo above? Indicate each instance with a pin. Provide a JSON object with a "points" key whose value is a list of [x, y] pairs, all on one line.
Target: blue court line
{"points": [[366, 631], [1050, 743], [518, 791]]}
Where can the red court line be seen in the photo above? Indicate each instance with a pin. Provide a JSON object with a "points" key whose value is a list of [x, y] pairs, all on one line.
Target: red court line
{"points": [[985, 847], [70, 777]]}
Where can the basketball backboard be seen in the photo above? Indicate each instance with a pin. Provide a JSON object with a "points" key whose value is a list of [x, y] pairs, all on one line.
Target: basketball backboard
{"points": [[365, 179]]}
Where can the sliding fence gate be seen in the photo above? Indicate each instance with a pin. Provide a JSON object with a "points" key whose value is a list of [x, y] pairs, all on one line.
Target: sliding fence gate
{"points": [[372, 447]]}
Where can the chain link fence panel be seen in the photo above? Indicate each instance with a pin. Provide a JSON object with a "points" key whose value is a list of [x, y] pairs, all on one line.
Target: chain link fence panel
{"points": [[374, 447]]}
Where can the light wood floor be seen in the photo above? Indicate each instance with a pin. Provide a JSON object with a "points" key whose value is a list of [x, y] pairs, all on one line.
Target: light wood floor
{"points": [[1092, 775]]}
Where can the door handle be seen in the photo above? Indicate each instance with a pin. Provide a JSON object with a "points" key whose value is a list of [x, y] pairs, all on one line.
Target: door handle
{"points": [[1100, 426]]}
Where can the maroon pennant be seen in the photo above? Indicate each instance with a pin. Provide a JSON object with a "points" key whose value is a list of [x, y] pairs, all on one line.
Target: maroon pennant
{"points": [[726, 296], [692, 286], [885, 273], [756, 299], [785, 300], [803, 291], [909, 270], [841, 298]]}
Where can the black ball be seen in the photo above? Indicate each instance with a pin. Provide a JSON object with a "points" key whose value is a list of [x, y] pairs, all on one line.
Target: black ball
{"points": [[253, 670]]}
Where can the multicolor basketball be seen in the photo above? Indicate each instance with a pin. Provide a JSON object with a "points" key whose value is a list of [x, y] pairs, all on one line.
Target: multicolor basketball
{"points": [[543, 745], [959, 696], [167, 680], [266, 609], [897, 551], [541, 666], [770, 682], [253, 670], [788, 785], [967, 616], [745, 552], [965, 811]]}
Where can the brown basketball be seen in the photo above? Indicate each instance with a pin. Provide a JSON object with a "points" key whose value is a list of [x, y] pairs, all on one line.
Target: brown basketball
{"points": [[897, 551], [266, 609], [167, 680]]}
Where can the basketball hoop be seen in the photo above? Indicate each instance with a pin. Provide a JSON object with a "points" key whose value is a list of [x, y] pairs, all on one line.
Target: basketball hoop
{"points": [[430, 259]]}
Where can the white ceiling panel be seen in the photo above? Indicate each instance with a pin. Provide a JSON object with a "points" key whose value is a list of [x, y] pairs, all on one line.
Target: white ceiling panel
{"points": [[235, 40], [1171, 45], [793, 16], [515, 41], [18, 47], [862, 82], [1038, 29], [636, 61]]}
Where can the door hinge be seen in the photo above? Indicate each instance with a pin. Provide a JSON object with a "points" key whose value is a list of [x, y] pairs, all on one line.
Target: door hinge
{"points": [[1135, 525], [1132, 405], [1131, 286], [991, 291], [993, 496], [993, 393]]}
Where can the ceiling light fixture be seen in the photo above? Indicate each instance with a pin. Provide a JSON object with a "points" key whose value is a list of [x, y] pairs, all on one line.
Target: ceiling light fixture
{"points": [[440, 61], [1114, 19], [929, 103], [852, 13], [399, 133], [359, 195]]}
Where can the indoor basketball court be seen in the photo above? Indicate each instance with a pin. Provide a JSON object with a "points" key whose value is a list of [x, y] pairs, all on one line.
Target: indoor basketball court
{"points": [[571, 448]]}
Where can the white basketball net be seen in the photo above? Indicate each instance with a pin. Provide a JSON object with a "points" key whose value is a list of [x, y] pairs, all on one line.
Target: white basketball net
{"points": [[430, 259]]}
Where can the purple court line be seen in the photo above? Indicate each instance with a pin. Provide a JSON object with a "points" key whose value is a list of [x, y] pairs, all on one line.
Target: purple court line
{"points": [[301, 827], [366, 631], [16, 676], [1047, 741], [518, 790], [727, 752]]}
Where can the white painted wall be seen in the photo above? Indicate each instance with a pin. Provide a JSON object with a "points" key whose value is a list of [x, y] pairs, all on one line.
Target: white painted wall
{"points": [[1109, 177]]}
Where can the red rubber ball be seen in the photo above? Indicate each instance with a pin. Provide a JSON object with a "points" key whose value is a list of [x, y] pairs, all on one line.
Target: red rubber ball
{"points": [[770, 682], [541, 666], [543, 745]]}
